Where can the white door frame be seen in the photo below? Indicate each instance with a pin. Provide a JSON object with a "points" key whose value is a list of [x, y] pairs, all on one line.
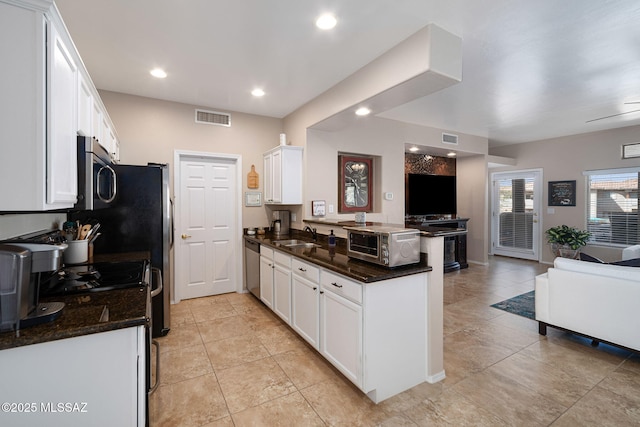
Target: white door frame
{"points": [[495, 229], [178, 156]]}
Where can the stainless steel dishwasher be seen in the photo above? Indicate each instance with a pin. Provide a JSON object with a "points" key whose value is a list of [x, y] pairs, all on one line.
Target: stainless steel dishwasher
{"points": [[252, 266]]}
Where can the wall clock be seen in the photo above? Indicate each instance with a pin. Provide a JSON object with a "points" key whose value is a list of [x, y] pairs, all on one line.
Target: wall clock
{"points": [[355, 181]]}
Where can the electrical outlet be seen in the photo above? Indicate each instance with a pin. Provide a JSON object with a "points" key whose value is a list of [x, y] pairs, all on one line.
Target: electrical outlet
{"points": [[293, 217], [330, 208], [388, 196]]}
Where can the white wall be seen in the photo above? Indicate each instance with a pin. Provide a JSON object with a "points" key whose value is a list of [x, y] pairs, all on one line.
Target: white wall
{"points": [[150, 130], [473, 201]]}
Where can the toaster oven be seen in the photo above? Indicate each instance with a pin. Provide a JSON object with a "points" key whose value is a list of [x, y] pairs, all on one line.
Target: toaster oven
{"points": [[384, 245]]}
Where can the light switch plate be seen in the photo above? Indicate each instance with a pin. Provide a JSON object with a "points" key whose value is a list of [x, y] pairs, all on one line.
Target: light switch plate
{"points": [[388, 196]]}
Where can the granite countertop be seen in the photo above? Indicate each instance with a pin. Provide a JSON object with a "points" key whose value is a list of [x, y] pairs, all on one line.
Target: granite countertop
{"points": [[86, 314], [89, 313], [336, 259]]}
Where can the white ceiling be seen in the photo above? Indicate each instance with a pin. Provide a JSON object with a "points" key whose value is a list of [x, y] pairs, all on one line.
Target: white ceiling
{"points": [[531, 69]]}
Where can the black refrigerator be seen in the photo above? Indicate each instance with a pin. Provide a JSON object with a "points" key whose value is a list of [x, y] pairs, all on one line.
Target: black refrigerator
{"points": [[140, 219]]}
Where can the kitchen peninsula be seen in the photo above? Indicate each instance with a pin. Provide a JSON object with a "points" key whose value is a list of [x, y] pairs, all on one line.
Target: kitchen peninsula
{"points": [[381, 327]]}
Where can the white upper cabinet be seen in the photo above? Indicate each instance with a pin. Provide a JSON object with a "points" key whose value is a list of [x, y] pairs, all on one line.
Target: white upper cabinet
{"points": [[37, 112], [47, 100], [85, 107], [62, 181], [283, 175]]}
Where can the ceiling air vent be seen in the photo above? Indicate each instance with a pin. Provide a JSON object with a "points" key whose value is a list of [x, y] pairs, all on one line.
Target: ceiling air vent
{"points": [[213, 118], [449, 138]]}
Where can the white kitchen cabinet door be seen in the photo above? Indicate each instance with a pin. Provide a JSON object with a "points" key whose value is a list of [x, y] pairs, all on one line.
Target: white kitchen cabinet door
{"points": [[62, 170], [266, 280], [282, 285], [96, 120], [103, 373], [106, 134], [305, 309], [85, 107], [283, 175], [268, 178], [341, 334], [276, 178]]}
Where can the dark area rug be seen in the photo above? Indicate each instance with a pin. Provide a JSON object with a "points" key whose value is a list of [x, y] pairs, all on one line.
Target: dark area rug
{"points": [[522, 305]]}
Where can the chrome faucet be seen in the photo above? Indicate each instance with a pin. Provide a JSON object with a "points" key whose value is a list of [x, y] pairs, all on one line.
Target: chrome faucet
{"points": [[313, 232]]}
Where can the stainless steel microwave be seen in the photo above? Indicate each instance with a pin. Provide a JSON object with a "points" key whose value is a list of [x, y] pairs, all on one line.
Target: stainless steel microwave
{"points": [[383, 245], [97, 181]]}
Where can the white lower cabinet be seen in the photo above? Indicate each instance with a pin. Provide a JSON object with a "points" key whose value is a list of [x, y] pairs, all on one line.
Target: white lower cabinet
{"points": [[275, 282], [266, 276], [91, 380], [305, 301], [341, 334], [375, 334], [282, 286]]}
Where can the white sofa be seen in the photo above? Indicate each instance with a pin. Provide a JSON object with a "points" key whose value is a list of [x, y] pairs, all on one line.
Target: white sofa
{"points": [[600, 301]]}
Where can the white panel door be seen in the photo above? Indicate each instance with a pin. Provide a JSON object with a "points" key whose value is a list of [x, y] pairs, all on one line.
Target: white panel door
{"points": [[208, 225]]}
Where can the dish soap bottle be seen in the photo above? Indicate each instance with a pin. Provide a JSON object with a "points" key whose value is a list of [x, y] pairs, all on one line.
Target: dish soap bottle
{"points": [[332, 239]]}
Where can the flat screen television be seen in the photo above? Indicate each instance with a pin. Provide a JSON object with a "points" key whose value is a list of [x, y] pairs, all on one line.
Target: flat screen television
{"points": [[431, 195]]}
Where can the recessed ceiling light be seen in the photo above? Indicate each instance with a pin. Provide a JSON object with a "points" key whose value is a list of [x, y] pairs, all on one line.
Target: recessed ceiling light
{"points": [[257, 92], [326, 21], [158, 73], [451, 154], [363, 111], [414, 149]]}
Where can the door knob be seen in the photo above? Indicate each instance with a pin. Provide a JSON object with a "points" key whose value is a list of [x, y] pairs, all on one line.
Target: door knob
{"points": [[185, 236]]}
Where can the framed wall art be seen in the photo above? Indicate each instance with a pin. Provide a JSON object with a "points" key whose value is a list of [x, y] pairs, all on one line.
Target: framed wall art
{"points": [[355, 184], [562, 193], [253, 198]]}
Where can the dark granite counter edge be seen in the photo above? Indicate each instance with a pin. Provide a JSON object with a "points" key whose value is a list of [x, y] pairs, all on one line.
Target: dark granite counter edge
{"points": [[359, 270], [82, 312], [68, 333]]}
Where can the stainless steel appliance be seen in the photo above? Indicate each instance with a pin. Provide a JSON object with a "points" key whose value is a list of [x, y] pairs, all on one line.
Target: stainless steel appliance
{"points": [[252, 266], [21, 267], [140, 219], [97, 181], [383, 245], [281, 221]]}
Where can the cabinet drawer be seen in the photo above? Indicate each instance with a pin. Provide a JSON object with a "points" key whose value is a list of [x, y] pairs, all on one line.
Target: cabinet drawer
{"points": [[341, 286], [305, 270], [266, 252], [282, 259]]}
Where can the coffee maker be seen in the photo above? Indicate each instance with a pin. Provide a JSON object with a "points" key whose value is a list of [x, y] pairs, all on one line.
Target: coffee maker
{"points": [[281, 221], [21, 266]]}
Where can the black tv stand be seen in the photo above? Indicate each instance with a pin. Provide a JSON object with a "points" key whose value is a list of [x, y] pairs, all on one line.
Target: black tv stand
{"points": [[454, 232]]}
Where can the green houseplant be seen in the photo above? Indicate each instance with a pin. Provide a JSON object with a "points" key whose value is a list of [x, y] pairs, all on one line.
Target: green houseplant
{"points": [[567, 241]]}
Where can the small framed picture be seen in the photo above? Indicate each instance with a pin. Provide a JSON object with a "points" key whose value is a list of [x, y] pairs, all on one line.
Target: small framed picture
{"points": [[562, 193], [318, 208], [253, 198]]}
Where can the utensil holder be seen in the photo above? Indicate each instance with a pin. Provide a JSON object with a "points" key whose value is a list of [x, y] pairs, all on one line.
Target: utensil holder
{"points": [[77, 252]]}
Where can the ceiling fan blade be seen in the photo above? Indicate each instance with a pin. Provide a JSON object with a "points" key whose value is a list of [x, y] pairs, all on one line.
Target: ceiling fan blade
{"points": [[613, 115]]}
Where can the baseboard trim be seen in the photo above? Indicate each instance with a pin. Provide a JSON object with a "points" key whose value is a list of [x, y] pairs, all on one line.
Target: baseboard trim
{"points": [[432, 379]]}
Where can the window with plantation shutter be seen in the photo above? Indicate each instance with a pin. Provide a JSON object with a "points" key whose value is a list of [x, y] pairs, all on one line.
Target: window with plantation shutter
{"points": [[612, 206]]}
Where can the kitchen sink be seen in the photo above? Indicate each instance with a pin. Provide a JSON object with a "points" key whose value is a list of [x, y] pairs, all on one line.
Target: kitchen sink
{"points": [[293, 243]]}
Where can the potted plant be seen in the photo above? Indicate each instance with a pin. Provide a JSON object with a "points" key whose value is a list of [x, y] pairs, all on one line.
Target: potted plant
{"points": [[567, 241]]}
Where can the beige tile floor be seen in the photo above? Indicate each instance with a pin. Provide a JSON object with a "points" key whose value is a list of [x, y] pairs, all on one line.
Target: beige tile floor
{"points": [[228, 361]]}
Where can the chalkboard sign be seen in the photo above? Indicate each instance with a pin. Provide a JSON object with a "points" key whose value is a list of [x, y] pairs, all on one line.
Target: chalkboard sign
{"points": [[562, 193]]}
